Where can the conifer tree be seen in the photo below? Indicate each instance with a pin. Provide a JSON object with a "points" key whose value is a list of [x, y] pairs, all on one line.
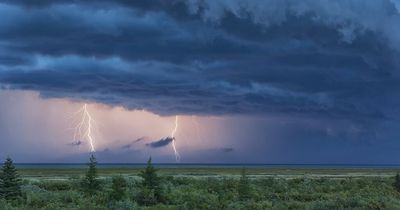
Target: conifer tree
{"points": [[90, 183], [10, 183], [151, 191], [150, 177]]}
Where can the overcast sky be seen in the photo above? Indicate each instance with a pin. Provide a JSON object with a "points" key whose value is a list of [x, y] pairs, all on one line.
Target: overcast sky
{"points": [[295, 81]]}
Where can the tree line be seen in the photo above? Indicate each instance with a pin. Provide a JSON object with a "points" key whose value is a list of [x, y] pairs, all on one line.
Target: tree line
{"points": [[151, 191]]}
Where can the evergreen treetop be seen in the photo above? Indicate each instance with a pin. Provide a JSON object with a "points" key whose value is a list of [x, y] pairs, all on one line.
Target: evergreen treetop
{"points": [[151, 190], [150, 177], [10, 183], [90, 182]]}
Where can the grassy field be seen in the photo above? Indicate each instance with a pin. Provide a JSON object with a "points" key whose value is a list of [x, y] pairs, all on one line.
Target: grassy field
{"points": [[46, 172], [212, 188]]}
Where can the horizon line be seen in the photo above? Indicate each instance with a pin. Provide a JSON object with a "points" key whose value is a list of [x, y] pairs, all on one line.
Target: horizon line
{"points": [[199, 163]]}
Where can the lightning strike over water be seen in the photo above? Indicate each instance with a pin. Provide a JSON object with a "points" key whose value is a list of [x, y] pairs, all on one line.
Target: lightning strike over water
{"points": [[84, 128], [177, 156]]}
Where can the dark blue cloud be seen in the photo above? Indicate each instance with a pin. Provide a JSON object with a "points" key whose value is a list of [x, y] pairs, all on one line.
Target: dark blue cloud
{"points": [[160, 143], [128, 146], [308, 58], [228, 149], [76, 143]]}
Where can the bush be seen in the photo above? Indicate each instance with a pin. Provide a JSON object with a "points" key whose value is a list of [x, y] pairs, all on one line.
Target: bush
{"points": [[244, 188], [118, 188], [200, 200], [124, 205], [39, 200], [396, 183], [55, 185], [146, 197]]}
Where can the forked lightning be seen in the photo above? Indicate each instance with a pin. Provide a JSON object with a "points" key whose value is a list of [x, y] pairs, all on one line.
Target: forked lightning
{"points": [[177, 156], [83, 129]]}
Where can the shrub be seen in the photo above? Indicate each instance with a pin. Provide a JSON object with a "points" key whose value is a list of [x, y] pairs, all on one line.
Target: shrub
{"points": [[244, 189], [56, 185], [396, 183], [38, 200], [146, 197], [124, 205], [118, 188]]}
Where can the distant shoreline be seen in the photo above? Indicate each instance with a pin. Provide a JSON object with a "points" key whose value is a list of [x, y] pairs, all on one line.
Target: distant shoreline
{"points": [[213, 165]]}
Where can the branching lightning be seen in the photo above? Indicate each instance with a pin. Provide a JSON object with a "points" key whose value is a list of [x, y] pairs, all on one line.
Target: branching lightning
{"points": [[84, 127], [177, 156]]}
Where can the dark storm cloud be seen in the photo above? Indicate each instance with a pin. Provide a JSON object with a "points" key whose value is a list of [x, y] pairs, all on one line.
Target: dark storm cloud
{"points": [[76, 143], [229, 149], [160, 143], [315, 58], [128, 146], [139, 139]]}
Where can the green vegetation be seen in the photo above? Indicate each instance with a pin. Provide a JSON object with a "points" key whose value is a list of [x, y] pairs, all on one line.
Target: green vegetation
{"points": [[44, 172], [10, 183], [215, 193], [396, 183], [244, 189], [90, 184], [118, 187], [150, 189]]}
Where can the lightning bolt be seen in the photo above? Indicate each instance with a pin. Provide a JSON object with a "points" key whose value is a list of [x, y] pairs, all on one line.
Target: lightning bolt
{"points": [[177, 156], [84, 127]]}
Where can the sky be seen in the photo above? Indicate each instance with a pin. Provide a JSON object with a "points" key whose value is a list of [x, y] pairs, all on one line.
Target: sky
{"points": [[271, 81]]}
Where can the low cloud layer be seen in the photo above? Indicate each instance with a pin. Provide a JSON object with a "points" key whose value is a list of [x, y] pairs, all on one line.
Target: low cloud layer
{"points": [[329, 59], [128, 146], [228, 149], [76, 143], [160, 143]]}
